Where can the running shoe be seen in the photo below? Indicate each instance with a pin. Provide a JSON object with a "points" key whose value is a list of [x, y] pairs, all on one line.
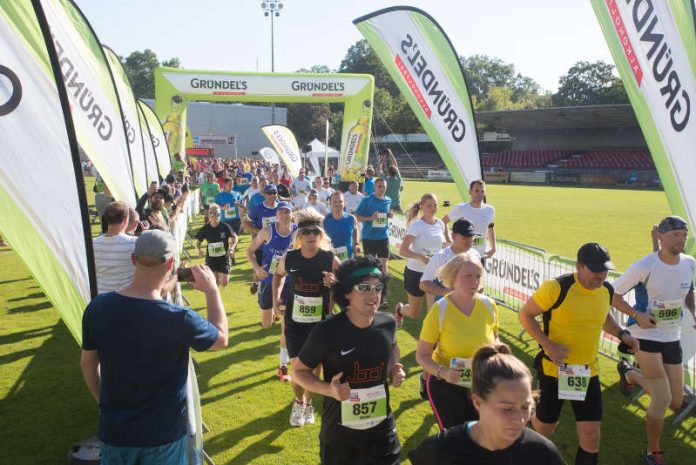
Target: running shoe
{"points": [[297, 416], [398, 315], [309, 414], [254, 288], [655, 458], [623, 367], [283, 374]]}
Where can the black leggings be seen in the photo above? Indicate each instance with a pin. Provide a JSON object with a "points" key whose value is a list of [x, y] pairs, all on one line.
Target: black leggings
{"points": [[451, 404]]}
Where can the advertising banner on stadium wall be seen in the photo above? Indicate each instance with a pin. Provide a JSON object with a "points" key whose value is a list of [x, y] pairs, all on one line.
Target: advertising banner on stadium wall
{"points": [[164, 163], [43, 207], [151, 170], [95, 107], [654, 47], [174, 88], [424, 65], [131, 121], [285, 145]]}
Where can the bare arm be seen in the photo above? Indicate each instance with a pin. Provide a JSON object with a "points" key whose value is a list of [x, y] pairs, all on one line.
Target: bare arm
{"points": [[424, 354], [356, 235], [258, 241], [406, 252], [232, 244], [89, 364], [645, 320], [304, 377], [276, 287], [612, 327], [491, 238], [396, 369], [446, 219], [435, 289]]}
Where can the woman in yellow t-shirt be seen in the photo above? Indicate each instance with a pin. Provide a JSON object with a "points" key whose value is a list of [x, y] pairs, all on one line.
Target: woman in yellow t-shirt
{"points": [[454, 329]]}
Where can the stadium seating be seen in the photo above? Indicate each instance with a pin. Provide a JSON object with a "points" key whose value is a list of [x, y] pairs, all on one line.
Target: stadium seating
{"points": [[524, 158], [623, 159]]}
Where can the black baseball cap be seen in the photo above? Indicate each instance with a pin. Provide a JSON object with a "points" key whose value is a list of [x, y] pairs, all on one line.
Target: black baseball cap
{"points": [[672, 223], [464, 227], [596, 257]]}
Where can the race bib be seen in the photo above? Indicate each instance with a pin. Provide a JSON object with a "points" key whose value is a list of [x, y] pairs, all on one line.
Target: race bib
{"points": [[274, 264], [231, 213], [667, 313], [430, 251], [209, 200], [268, 220], [341, 253], [216, 249], [573, 381], [307, 309], [365, 408], [464, 365], [479, 241], [381, 221]]}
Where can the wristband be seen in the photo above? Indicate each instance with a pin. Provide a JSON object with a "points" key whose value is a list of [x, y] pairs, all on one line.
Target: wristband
{"points": [[622, 333]]}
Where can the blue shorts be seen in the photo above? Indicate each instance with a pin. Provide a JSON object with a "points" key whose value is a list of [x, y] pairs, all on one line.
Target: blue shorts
{"points": [[175, 453], [265, 294]]}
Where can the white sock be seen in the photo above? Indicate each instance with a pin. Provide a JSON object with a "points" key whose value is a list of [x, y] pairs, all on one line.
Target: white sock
{"points": [[284, 358]]}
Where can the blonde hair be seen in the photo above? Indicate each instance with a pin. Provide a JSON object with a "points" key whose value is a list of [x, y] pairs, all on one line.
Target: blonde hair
{"points": [[214, 206], [447, 273], [417, 206], [316, 220]]}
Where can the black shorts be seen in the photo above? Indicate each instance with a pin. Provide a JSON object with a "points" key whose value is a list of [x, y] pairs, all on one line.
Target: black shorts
{"points": [[219, 264], [548, 409], [412, 282], [296, 335], [379, 451], [451, 404], [376, 247], [235, 224], [671, 351]]}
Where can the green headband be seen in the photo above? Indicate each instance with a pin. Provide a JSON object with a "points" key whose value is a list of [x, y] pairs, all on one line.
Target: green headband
{"points": [[362, 272]]}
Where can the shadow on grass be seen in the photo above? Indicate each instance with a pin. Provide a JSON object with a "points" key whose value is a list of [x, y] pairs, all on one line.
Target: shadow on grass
{"points": [[31, 308], [24, 335], [35, 295], [10, 281], [47, 401]]}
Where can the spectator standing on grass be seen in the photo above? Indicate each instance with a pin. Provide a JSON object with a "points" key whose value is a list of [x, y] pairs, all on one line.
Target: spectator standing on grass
{"points": [[481, 216], [574, 308], [135, 357], [393, 176], [113, 250]]}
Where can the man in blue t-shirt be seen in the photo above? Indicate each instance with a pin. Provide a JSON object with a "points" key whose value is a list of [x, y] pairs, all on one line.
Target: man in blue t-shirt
{"points": [[258, 218], [135, 357], [374, 213], [228, 200]]}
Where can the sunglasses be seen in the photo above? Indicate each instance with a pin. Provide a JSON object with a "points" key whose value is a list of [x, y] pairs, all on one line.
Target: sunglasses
{"points": [[307, 232], [213, 214], [364, 288]]}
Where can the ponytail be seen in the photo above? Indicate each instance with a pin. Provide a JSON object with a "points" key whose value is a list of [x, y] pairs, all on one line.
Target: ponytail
{"points": [[495, 363]]}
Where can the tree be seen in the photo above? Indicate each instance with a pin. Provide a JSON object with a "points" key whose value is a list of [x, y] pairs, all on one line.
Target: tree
{"points": [[360, 58], [140, 68], [495, 85], [590, 84]]}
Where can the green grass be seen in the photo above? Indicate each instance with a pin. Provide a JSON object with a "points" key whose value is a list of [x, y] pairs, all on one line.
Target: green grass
{"points": [[45, 406]]}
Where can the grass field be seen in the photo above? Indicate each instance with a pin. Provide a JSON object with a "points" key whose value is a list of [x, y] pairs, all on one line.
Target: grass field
{"points": [[45, 406]]}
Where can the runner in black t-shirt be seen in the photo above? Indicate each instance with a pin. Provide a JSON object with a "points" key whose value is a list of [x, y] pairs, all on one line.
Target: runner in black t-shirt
{"points": [[502, 394], [357, 350], [311, 268], [221, 243]]}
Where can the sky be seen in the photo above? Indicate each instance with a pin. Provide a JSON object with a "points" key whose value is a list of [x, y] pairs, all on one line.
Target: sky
{"points": [[541, 38]]}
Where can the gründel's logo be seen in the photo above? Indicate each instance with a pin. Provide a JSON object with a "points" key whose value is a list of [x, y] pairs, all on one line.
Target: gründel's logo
{"points": [[84, 98], [437, 96], [647, 24], [15, 91]]}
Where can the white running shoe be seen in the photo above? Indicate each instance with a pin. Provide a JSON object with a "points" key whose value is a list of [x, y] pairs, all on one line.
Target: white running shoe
{"points": [[309, 414], [297, 416]]}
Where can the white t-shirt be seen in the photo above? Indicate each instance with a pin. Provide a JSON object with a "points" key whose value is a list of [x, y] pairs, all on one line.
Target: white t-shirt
{"points": [[249, 193], [301, 186], [352, 200], [112, 257], [442, 257], [324, 194], [428, 239], [658, 286], [320, 208], [481, 218]]}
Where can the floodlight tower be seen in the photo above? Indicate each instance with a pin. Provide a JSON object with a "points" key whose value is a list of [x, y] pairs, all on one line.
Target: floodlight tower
{"points": [[271, 8]]}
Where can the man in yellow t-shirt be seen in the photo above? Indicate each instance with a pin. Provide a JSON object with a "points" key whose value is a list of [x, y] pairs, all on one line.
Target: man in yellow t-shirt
{"points": [[574, 309]]}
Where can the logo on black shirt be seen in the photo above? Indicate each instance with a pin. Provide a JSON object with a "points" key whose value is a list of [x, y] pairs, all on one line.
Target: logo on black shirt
{"points": [[365, 375]]}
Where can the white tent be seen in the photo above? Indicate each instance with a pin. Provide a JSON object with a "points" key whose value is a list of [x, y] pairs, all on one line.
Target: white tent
{"points": [[318, 153]]}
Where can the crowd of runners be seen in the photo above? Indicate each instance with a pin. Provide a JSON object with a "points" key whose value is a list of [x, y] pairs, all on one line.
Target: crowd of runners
{"points": [[320, 251]]}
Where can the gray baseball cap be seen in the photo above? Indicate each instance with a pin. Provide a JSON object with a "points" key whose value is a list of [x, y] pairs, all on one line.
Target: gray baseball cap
{"points": [[157, 244]]}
